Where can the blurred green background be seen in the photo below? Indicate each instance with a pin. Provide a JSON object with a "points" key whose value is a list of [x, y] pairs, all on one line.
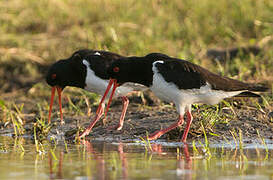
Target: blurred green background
{"points": [[34, 34]]}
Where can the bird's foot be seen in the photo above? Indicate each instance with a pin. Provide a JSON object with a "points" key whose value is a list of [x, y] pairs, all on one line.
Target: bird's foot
{"points": [[155, 135], [115, 127], [62, 122], [84, 133]]}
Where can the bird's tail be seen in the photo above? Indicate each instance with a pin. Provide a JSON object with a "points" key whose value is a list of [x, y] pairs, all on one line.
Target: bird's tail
{"points": [[258, 87], [248, 94], [254, 88]]}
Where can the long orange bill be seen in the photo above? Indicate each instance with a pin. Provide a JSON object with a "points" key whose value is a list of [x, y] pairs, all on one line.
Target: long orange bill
{"points": [[105, 94], [59, 90], [51, 102], [111, 96]]}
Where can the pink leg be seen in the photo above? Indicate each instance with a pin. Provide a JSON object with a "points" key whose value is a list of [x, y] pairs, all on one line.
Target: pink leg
{"points": [[59, 90], [157, 134], [51, 103], [125, 102], [92, 124], [189, 120]]}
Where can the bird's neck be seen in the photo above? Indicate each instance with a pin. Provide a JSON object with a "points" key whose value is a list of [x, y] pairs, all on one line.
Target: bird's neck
{"points": [[140, 71], [76, 77]]}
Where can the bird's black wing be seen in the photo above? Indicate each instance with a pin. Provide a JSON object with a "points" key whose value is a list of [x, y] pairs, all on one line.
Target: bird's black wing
{"points": [[183, 74], [186, 75]]}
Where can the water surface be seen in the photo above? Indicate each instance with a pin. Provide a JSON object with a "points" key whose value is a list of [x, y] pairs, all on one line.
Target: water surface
{"points": [[93, 159]]}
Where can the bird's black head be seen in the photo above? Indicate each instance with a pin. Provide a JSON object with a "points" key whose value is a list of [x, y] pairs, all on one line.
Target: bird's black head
{"points": [[68, 72], [131, 69], [120, 70]]}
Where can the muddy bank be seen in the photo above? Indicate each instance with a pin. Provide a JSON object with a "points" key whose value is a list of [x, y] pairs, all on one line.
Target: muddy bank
{"points": [[141, 120], [146, 114]]}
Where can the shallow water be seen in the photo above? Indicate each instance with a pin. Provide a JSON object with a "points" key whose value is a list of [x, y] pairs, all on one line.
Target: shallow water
{"points": [[95, 159]]}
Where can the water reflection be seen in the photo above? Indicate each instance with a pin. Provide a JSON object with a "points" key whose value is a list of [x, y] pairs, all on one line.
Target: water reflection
{"points": [[100, 160], [59, 173], [184, 162], [106, 170], [101, 163], [124, 163]]}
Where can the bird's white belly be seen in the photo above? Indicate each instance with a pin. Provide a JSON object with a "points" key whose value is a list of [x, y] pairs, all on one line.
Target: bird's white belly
{"points": [[99, 88], [206, 95]]}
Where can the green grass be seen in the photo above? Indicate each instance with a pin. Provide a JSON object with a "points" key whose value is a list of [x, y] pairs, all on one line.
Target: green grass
{"points": [[54, 29], [41, 32], [35, 34]]}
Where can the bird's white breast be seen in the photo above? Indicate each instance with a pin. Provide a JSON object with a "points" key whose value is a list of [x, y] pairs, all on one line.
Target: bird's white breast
{"points": [[97, 85]]}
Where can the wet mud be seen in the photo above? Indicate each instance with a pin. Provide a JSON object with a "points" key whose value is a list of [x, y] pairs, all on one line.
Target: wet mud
{"points": [[142, 120], [146, 114]]}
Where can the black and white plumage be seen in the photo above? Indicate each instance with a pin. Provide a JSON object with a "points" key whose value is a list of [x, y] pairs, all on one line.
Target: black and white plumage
{"points": [[178, 81], [86, 69]]}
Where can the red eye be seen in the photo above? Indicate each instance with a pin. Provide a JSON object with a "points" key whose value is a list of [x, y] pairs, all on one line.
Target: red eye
{"points": [[53, 76], [116, 69]]}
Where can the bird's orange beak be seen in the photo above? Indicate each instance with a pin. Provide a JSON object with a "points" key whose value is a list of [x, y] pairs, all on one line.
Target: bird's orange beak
{"points": [[59, 91]]}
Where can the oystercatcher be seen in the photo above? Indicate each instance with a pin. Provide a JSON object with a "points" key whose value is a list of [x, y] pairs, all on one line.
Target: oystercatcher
{"points": [[177, 81], [86, 69]]}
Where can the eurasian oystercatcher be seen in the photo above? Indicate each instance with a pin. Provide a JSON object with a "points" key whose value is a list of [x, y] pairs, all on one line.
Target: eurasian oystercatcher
{"points": [[177, 81], [86, 69]]}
